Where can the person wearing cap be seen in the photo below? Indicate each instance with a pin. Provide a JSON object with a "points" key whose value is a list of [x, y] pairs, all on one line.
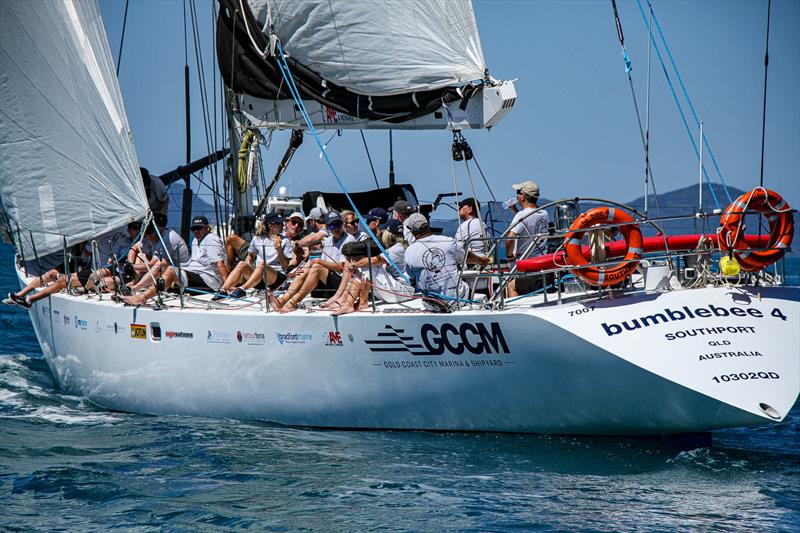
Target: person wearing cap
{"points": [[401, 210], [150, 251], [206, 269], [156, 191], [527, 236], [269, 250], [351, 226], [317, 229], [472, 232], [322, 276], [433, 261], [295, 224]]}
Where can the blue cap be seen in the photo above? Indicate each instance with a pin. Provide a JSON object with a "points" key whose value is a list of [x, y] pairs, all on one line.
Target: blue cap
{"points": [[332, 217], [273, 218], [377, 213], [393, 226]]}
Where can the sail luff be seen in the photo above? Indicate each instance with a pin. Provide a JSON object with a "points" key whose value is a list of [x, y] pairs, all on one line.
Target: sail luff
{"points": [[67, 163]]}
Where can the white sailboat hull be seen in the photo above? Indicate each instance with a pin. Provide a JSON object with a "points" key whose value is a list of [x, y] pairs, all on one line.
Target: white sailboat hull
{"points": [[559, 369]]}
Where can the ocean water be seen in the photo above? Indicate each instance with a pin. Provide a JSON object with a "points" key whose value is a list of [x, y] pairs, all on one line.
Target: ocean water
{"points": [[68, 465]]}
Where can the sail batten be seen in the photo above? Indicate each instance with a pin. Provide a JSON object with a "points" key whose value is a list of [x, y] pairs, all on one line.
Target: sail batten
{"points": [[67, 164]]}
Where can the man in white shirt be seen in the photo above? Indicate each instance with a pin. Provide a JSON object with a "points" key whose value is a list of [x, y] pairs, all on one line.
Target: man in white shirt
{"points": [[401, 210], [352, 227], [527, 236], [433, 262], [322, 276], [472, 232], [205, 269]]}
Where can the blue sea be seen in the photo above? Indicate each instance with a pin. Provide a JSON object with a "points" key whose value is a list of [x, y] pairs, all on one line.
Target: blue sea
{"points": [[67, 465]]}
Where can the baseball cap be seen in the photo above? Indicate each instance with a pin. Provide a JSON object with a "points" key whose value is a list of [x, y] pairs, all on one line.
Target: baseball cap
{"points": [[199, 222], [333, 217], [528, 188], [296, 214], [416, 222], [316, 214], [377, 213], [470, 202], [273, 218], [393, 226], [402, 207]]}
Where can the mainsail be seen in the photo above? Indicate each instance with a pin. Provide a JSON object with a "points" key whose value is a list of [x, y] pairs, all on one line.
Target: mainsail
{"points": [[392, 60], [67, 164]]}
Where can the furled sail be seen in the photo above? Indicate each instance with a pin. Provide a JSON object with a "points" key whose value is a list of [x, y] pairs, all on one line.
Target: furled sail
{"points": [[67, 164], [391, 60]]}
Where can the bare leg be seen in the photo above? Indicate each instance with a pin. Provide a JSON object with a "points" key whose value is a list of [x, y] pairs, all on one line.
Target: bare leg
{"points": [[241, 270], [349, 301], [45, 279], [170, 278], [233, 243]]}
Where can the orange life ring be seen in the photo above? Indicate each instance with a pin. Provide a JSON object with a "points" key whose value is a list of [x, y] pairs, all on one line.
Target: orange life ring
{"points": [[781, 228], [604, 276]]}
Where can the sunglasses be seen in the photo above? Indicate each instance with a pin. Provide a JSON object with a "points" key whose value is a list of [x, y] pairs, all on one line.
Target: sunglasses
{"points": [[296, 222], [335, 225], [353, 223]]}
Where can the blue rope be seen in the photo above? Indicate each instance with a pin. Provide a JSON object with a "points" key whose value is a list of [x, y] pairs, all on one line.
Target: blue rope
{"points": [[678, 103], [287, 75], [691, 107]]}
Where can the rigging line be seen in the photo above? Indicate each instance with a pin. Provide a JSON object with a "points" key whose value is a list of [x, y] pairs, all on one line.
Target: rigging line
{"points": [[688, 100], [645, 140], [122, 37], [491, 193], [680, 107], [185, 39], [764, 107], [204, 102], [369, 158], [284, 68]]}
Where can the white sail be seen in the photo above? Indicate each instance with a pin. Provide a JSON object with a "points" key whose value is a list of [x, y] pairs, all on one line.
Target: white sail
{"points": [[379, 48], [67, 164]]}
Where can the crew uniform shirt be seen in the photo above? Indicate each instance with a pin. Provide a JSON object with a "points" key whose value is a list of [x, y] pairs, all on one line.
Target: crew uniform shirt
{"points": [[176, 252], [332, 249], [264, 249], [434, 262], [536, 224], [205, 256], [470, 234], [397, 253]]}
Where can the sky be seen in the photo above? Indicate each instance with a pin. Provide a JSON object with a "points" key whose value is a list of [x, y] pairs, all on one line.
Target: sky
{"points": [[573, 128]]}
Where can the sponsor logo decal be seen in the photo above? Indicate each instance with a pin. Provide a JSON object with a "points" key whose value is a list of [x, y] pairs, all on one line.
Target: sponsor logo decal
{"points": [[477, 339], [80, 323], [98, 328], [56, 312], [138, 331], [293, 338], [251, 337], [218, 337], [333, 338], [179, 334], [66, 320]]}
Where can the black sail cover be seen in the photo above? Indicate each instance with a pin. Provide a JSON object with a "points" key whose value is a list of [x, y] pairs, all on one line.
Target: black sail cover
{"points": [[440, 69]]}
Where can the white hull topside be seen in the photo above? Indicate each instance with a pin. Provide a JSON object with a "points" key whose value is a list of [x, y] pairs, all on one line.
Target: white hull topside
{"points": [[699, 360]]}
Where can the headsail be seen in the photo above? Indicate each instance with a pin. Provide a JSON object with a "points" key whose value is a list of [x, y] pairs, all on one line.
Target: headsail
{"points": [[67, 164], [362, 63]]}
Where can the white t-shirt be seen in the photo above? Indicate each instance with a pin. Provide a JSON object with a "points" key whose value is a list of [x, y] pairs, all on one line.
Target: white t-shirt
{"points": [[332, 249], [360, 236], [264, 248], [397, 253], [433, 262], [527, 230], [176, 252], [205, 256], [408, 236], [472, 232]]}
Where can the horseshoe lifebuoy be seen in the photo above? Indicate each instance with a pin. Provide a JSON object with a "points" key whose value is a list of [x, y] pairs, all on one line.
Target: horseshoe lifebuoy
{"points": [[781, 228], [604, 276]]}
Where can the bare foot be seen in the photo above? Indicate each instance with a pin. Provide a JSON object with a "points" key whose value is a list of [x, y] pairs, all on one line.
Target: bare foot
{"points": [[343, 310], [273, 302], [137, 299], [288, 307]]}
